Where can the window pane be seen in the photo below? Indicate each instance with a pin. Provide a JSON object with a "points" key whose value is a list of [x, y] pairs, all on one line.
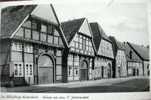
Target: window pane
{"points": [[35, 35], [27, 33], [34, 25], [50, 38], [55, 40], [58, 53], [56, 33], [43, 28], [43, 37], [50, 29], [20, 32]]}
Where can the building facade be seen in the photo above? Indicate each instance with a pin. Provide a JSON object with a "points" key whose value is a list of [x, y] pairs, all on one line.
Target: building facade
{"points": [[32, 44], [103, 63], [134, 63], [143, 54], [78, 58], [120, 62]]}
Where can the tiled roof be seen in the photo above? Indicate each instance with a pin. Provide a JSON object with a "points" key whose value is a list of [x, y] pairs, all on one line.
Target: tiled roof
{"points": [[98, 34], [142, 51], [71, 27], [13, 16]]}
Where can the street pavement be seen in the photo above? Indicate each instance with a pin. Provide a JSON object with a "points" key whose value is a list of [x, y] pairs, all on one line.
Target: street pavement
{"points": [[130, 84]]}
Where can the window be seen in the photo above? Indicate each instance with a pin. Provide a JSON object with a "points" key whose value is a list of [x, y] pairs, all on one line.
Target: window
{"points": [[27, 33], [58, 60], [56, 33], [16, 46], [50, 29], [35, 35], [43, 28], [28, 48], [27, 24], [43, 37], [28, 70], [18, 70], [34, 25], [20, 32], [58, 53], [55, 40], [50, 38]]}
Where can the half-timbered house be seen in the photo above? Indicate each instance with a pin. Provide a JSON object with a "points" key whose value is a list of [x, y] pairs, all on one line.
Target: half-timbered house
{"points": [[134, 63], [120, 62], [143, 53], [78, 58], [31, 43], [104, 53]]}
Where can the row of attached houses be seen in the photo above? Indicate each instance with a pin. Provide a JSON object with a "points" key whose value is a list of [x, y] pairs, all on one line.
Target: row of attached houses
{"points": [[35, 48]]}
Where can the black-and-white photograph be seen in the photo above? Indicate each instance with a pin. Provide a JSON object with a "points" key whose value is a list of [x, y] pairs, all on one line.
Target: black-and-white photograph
{"points": [[76, 47]]}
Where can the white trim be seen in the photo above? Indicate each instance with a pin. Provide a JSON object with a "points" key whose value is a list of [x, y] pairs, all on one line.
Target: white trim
{"points": [[19, 26]]}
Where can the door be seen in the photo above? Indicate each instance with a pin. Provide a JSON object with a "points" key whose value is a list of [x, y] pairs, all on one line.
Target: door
{"points": [[45, 70], [84, 71], [102, 71], [134, 72], [109, 71]]}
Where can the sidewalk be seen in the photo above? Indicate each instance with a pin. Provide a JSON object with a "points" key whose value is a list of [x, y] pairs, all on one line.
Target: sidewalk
{"points": [[102, 82]]}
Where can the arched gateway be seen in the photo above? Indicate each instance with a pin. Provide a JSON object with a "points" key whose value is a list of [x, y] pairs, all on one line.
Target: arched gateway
{"points": [[84, 71], [45, 69]]}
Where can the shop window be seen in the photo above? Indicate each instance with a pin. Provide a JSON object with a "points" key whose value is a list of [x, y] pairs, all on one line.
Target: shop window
{"points": [[18, 70]]}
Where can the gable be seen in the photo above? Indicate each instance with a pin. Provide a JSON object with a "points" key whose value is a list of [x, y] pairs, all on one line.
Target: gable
{"points": [[82, 44], [128, 49], [105, 49], [45, 12], [85, 29]]}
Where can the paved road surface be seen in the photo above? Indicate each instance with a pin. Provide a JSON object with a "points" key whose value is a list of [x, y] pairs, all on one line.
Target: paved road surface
{"points": [[100, 86]]}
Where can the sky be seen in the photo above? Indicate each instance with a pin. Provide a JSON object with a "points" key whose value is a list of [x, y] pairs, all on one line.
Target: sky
{"points": [[126, 20]]}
